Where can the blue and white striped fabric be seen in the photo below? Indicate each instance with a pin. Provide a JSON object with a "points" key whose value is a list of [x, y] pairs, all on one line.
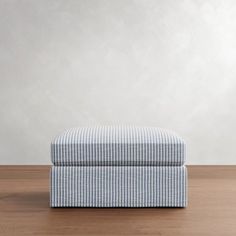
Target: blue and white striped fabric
{"points": [[118, 186], [118, 146]]}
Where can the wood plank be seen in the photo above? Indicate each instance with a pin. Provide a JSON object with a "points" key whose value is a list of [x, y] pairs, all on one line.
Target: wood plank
{"points": [[24, 208]]}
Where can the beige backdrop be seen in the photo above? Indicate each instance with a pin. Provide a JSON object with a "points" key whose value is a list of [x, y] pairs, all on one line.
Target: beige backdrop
{"points": [[161, 63]]}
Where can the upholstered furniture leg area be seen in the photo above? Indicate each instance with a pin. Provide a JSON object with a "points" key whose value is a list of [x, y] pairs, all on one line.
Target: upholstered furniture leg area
{"points": [[118, 167]]}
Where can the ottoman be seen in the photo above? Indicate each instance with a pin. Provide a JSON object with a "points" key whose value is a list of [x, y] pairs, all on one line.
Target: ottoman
{"points": [[118, 166]]}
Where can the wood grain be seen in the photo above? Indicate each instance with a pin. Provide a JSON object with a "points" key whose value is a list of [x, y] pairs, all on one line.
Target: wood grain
{"points": [[24, 208]]}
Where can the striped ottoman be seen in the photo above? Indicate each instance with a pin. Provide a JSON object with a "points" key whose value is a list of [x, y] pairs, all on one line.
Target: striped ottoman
{"points": [[117, 166]]}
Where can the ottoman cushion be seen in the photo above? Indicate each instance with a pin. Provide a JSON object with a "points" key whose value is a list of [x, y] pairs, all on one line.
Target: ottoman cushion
{"points": [[118, 146]]}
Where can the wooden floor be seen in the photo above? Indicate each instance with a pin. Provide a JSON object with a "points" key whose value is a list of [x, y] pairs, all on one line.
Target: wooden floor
{"points": [[24, 208]]}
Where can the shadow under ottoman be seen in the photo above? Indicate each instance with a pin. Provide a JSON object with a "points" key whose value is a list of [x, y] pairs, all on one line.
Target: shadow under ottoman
{"points": [[118, 166]]}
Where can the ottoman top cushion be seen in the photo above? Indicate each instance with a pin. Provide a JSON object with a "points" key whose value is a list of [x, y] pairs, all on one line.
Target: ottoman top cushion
{"points": [[118, 146]]}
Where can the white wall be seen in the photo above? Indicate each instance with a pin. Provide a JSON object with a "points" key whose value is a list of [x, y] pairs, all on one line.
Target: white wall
{"points": [[71, 63]]}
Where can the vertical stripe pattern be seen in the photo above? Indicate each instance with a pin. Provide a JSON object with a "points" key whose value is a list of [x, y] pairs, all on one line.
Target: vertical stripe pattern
{"points": [[118, 146], [118, 186]]}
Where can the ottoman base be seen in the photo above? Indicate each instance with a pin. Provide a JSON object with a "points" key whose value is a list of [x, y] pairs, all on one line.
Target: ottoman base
{"points": [[118, 186]]}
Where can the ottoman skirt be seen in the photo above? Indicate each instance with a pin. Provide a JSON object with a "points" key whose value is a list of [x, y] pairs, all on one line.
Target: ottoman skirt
{"points": [[118, 186]]}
